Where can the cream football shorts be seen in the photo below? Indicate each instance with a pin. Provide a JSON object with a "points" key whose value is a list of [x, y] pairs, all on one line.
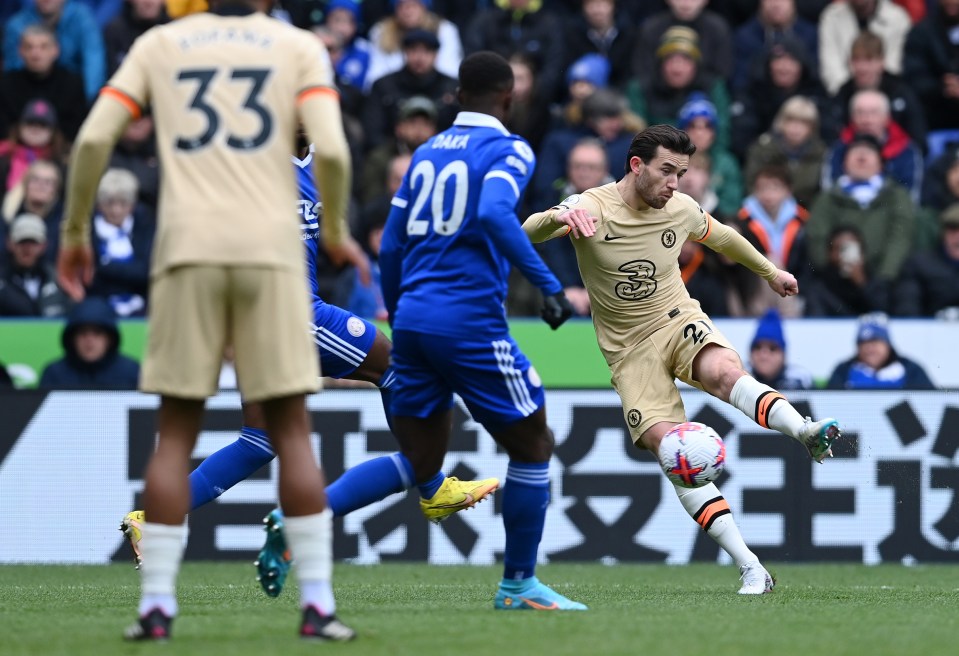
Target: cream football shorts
{"points": [[197, 310]]}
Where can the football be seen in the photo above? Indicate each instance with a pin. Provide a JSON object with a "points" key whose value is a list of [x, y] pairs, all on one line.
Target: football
{"points": [[692, 454]]}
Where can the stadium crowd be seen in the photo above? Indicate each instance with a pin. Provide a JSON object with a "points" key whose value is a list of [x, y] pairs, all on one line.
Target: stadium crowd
{"points": [[827, 133]]}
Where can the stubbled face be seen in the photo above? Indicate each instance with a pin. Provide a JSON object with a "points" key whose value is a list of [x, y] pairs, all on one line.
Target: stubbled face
{"points": [[770, 192], [39, 52], [659, 179], [862, 162], [586, 167], [678, 71], [873, 353], [796, 132], [767, 358]]}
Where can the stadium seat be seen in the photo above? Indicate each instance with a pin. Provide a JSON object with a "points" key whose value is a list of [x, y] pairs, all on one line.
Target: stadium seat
{"points": [[937, 141]]}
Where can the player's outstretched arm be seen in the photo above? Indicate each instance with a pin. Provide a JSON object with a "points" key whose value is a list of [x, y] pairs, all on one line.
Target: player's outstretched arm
{"points": [[559, 222], [723, 239], [91, 153]]}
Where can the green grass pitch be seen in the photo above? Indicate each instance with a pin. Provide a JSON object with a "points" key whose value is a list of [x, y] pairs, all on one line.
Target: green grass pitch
{"points": [[424, 610]]}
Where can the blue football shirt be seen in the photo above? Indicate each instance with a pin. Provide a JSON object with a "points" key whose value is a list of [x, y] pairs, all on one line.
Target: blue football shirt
{"points": [[309, 208], [453, 233]]}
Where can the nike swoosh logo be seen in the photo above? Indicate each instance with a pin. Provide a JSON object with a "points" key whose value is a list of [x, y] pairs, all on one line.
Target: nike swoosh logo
{"points": [[609, 237], [536, 606], [468, 501]]}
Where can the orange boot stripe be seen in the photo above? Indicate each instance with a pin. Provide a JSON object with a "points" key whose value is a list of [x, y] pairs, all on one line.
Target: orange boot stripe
{"points": [[764, 404], [710, 511]]}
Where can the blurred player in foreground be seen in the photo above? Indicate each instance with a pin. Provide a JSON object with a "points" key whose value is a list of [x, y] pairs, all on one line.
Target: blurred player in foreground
{"points": [[226, 89], [450, 239], [349, 347], [627, 237]]}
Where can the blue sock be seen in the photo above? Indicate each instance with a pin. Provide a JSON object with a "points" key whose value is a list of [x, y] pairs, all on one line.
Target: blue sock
{"points": [[429, 488], [368, 482], [230, 465], [386, 394], [525, 498]]}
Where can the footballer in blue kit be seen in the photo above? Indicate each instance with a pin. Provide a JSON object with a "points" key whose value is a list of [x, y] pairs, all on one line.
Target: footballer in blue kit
{"points": [[449, 243], [348, 347]]}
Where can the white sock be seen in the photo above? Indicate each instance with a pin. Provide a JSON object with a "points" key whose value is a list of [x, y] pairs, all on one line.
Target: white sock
{"points": [[766, 406], [311, 542], [162, 548], [711, 511]]}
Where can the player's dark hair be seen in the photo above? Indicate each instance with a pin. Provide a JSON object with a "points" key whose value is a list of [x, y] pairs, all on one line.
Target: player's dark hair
{"points": [[484, 73], [646, 142]]}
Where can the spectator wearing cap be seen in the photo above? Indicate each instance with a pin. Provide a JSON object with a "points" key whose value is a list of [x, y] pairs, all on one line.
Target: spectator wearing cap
{"points": [[38, 193], [841, 22], [793, 141], [42, 77], [929, 282], [774, 21], [415, 124], [713, 37], [418, 77], [767, 357], [34, 137], [389, 44], [867, 71], [583, 78], [869, 201], [598, 30], [122, 239], [678, 75], [91, 345], [876, 364], [352, 63], [607, 119], [28, 283], [79, 36], [511, 26], [784, 70], [870, 113], [698, 118]]}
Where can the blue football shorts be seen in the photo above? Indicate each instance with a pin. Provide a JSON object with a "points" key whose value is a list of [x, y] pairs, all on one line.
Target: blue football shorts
{"points": [[342, 339], [495, 380]]}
